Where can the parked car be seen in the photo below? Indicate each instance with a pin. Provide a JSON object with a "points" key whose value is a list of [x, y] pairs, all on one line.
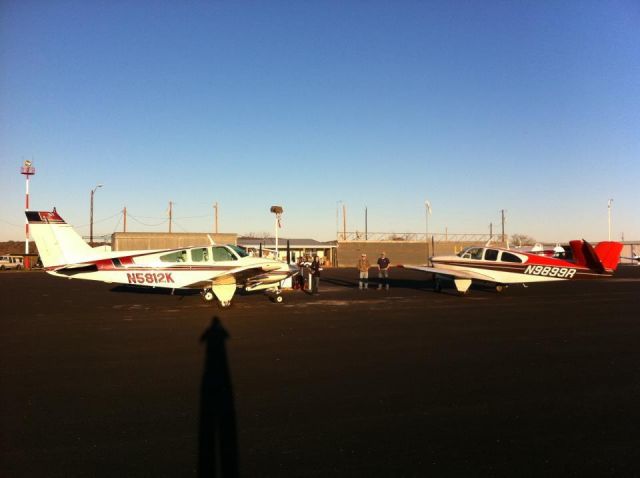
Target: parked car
{"points": [[11, 262]]}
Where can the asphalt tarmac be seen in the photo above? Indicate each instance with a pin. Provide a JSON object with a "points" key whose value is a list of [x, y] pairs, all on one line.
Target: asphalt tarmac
{"points": [[104, 381]]}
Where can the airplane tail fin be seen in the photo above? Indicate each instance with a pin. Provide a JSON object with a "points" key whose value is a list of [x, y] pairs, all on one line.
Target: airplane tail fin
{"points": [[58, 244], [603, 258], [609, 254]]}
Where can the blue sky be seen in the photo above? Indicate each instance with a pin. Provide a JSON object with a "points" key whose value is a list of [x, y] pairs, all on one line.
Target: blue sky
{"points": [[532, 107]]}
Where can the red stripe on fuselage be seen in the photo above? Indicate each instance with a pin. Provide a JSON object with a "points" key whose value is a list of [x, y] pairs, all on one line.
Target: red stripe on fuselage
{"points": [[551, 261]]}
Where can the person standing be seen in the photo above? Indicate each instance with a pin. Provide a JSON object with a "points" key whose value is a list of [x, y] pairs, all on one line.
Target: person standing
{"points": [[383, 271], [363, 269], [315, 273]]}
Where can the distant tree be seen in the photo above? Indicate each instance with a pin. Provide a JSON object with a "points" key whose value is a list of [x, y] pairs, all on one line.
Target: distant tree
{"points": [[522, 240]]}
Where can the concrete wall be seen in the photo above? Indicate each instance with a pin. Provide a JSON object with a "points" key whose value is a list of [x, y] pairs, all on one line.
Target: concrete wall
{"points": [[131, 241], [399, 252]]}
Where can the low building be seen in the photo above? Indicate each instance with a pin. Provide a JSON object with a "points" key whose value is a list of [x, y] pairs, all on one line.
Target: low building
{"points": [[134, 241], [297, 248]]}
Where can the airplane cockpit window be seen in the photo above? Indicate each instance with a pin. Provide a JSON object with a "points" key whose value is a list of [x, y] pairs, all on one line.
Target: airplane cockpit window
{"points": [[473, 253], [221, 253], [462, 252], [201, 254], [239, 250], [177, 256], [508, 257], [490, 255]]}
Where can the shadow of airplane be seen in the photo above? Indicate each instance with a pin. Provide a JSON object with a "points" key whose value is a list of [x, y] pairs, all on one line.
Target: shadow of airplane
{"points": [[141, 289], [217, 435]]}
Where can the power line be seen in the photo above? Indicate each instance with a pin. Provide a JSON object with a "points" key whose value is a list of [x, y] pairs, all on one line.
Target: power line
{"points": [[12, 224], [101, 220], [144, 223]]}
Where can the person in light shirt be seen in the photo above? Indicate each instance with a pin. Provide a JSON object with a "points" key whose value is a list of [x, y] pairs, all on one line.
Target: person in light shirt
{"points": [[363, 269]]}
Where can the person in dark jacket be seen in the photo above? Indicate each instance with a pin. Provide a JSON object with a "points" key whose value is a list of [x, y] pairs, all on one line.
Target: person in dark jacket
{"points": [[315, 273], [383, 271]]}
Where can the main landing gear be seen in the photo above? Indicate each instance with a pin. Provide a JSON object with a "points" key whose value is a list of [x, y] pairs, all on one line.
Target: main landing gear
{"points": [[275, 295]]}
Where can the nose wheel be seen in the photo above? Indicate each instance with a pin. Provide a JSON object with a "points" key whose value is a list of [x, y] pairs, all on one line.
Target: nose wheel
{"points": [[207, 295]]}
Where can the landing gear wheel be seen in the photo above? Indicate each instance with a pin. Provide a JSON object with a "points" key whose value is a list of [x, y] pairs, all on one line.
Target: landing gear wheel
{"points": [[207, 295], [275, 296]]}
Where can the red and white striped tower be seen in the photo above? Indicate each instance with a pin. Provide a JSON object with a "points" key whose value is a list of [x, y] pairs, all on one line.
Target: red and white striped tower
{"points": [[27, 170]]}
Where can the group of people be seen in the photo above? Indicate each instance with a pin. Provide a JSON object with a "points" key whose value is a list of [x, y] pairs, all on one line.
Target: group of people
{"points": [[383, 271], [314, 267]]}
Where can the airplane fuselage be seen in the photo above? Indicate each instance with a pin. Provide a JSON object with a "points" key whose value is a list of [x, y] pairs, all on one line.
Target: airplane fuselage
{"points": [[151, 268]]}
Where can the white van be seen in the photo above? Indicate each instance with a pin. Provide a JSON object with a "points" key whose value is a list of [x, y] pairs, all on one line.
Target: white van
{"points": [[11, 262]]}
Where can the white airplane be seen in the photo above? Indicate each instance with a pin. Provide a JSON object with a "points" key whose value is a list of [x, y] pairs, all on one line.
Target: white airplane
{"points": [[500, 267], [635, 257], [218, 270]]}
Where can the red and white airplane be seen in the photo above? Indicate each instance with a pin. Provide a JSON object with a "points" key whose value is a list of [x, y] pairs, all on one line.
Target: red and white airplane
{"points": [[501, 267], [215, 269]]}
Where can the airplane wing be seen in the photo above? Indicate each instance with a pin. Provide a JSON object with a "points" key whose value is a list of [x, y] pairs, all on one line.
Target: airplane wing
{"points": [[454, 274], [241, 275]]}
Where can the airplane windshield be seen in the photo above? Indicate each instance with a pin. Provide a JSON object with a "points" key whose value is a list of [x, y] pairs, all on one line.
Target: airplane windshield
{"points": [[463, 251], [238, 250], [472, 253]]}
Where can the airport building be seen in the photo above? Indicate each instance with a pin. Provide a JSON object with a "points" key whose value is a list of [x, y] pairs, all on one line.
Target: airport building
{"points": [[326, 251], [132, 241]]}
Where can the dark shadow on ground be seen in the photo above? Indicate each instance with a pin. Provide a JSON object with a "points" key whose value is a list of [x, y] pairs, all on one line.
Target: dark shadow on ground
{"points": [[138, 289], [217, 434], [426, 284], [340, 282]]}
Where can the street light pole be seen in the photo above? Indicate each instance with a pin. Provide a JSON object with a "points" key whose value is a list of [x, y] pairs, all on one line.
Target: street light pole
{"points": [[427, 211], [93, 191], [277, 210]]}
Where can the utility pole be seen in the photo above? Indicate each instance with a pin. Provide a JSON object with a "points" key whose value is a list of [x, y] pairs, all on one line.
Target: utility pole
{"points": [[366, 223], [124, 227], [427, 211], [170, 215], [344, 222], [490, 231], [503, 219], [215, 206], [337, 223], [609, 216]]}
